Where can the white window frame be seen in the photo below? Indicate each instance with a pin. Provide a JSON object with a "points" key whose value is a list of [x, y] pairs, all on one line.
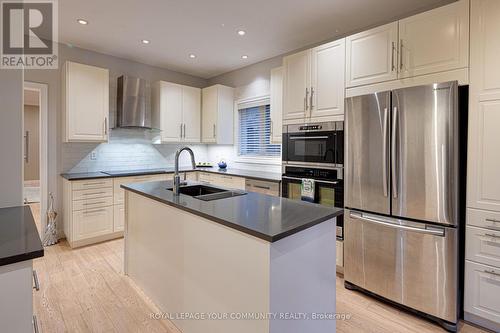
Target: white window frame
{"points": [[268, 160]]}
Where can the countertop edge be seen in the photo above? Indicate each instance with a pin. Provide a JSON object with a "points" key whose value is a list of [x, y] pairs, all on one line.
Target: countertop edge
{"points": [[265, 237], [22, 257], [68, 176]]}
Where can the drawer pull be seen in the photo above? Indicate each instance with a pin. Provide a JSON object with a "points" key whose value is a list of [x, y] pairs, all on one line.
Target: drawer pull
{"points": [[94, 193], [493, 220], [35, 280], [262, 187], [88, 184], [492, 235], [492, 272], [94, 203], [94, 211]]}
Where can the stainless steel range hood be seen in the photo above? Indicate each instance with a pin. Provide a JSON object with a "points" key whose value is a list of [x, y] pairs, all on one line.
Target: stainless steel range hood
{"points": [[134, 104]]}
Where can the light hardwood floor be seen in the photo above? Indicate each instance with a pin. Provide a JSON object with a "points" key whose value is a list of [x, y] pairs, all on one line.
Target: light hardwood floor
{"points": [[84, 290]]}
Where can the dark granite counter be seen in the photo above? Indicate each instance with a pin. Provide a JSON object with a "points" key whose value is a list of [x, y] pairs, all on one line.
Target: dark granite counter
{"points": [[267, 176], [19, 238], [267, 217]]}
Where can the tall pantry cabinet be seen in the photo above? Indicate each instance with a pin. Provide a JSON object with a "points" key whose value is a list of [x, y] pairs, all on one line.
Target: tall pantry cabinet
{"points": [[482, 266]]}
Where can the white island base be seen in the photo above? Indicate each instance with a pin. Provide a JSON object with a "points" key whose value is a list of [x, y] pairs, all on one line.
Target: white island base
{"points": [[207, 277]]}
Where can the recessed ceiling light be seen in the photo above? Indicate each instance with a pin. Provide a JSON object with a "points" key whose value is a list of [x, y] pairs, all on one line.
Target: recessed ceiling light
{"points": [[241, 32], [192, 56], [145, 41], [244, 57], [82, 21]]}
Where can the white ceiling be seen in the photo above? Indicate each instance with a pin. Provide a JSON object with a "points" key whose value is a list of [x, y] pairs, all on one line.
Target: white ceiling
{"points": [[208, 28]]}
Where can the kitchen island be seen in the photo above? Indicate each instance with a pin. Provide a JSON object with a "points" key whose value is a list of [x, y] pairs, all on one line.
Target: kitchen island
{"points": [[246, 263]]}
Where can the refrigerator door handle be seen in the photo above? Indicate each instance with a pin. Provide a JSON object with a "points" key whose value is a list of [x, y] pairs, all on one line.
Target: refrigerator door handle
{"points": [[435, 231], [394, 153], [384, 153]]}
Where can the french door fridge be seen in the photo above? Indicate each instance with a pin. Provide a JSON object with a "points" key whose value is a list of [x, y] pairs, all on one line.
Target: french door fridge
{"points": [[402, 197]]}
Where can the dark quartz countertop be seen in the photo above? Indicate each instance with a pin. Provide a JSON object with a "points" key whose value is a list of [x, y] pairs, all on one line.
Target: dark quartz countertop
{"points": [[261, 175], [267, 217], [19, 238]]}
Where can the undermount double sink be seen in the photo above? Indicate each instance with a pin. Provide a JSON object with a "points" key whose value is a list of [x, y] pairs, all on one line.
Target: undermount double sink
{"points": [[208, 193]]}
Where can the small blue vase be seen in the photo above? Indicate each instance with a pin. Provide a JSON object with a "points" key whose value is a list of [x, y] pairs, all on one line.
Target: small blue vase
{"points": [[222, 165]]}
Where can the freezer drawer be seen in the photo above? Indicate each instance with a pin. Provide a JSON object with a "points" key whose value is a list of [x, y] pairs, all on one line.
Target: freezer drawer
{"points": [[411, 263]]}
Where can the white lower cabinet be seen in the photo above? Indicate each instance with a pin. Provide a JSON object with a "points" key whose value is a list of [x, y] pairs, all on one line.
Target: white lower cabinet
{"points": [[222, 180], [119, 218], [482, 293], [16, 300], [483, 245], [93, 223]]}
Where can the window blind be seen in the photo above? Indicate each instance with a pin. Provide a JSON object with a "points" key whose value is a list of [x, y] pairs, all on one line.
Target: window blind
{"points": [[255, 132]]}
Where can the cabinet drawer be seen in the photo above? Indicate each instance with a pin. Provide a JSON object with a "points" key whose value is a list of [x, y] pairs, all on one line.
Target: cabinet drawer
{"points": [[92, 223], [119, 193], [91, 184], [482, 287], [229, 181], [483, 219], [91, 204], [119, 218], [340, 253], [483, 246], [204, 177], [93, 193], [264, 187]]}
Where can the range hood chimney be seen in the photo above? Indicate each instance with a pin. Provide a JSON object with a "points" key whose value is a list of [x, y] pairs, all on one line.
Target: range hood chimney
{"points": [[133, 107]]}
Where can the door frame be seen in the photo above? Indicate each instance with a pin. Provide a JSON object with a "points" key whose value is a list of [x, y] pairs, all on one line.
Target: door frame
{"points": [[42, 90]]}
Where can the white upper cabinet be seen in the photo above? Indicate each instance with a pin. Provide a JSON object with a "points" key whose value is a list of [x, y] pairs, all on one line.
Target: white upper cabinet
{"points": [[191, 114], [217, 114], [327, 79], [371, 56], [179, 111], [85, 93], [314, 83], [296, 83], [434, 41], [485, 49], [276, 104]]}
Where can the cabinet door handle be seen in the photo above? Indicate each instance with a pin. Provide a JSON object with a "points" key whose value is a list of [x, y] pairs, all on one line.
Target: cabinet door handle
{"points": [[214, 131], [491, 235], [493, 220], [311, 99], [88, 184], [492, 272], [306, 99], [262, 187], [180, 128], [35, 280], [105, 126], [94, 203], [35, 324], [401, 66], [393, 66], [184, 126], [27, 147]]}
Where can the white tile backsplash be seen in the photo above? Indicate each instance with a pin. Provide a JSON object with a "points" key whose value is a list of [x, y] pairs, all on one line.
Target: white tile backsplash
{"points": [[127, 149]]}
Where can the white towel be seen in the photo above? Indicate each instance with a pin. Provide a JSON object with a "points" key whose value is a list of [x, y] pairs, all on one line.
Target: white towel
{"points": [[307, 190]]}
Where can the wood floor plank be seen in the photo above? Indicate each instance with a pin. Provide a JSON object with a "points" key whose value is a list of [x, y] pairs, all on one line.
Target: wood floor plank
{"points": [[85, 290]]}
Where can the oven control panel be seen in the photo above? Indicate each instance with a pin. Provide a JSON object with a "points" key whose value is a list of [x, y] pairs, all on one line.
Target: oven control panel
{"points": [[310, 127]]}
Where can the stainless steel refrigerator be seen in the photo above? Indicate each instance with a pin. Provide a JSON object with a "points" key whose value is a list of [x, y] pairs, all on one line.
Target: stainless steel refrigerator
{"points": [[402, 177]]}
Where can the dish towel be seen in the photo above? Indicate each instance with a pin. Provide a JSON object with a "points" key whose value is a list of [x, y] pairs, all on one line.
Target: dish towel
{"points": [[307, 190]]}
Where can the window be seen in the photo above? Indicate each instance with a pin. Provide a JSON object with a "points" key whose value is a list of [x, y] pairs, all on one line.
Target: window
{"points": [[255, 132]]}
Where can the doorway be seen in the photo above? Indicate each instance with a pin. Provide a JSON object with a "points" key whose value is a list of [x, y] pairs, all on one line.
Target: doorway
{"points": [[35, 189]]}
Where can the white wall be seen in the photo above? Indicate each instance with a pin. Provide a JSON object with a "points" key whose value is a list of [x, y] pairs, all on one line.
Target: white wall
{"points": [[11, 137], [63, 157], [251, 81]]}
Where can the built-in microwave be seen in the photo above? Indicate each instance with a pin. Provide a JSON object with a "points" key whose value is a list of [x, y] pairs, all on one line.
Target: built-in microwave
{"points": [[317, 144]]}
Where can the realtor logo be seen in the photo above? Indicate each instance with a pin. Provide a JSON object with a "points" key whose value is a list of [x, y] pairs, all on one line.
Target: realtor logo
{"points": [[29, 34]]}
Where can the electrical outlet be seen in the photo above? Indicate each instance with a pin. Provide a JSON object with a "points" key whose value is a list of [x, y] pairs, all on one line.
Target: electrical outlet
{"points": [[93, 155]]}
